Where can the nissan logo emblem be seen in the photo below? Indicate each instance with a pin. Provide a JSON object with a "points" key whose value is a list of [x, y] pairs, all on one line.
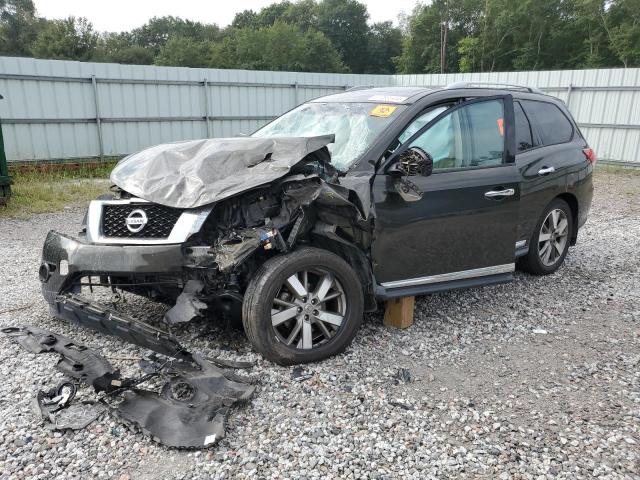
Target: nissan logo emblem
{"points": [[136, 221]]}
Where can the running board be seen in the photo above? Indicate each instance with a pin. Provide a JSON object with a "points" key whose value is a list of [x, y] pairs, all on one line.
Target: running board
{"points": [[383, 293], [81, 311]]}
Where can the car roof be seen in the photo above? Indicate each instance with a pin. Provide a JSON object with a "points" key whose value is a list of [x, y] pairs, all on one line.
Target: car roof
{"points": [[409, 95], [399, 95]]}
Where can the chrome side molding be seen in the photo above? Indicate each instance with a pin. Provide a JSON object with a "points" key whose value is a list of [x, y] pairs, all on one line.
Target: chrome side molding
{"points": [[449, 277]]}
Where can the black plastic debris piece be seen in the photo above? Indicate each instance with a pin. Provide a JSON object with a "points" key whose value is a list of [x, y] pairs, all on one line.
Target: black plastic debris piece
{"points": [[78, 361], [191, 409], [75, 417], [299, 374], [55, 409], [56, 398], [403, 375], [401, 404], [188, 306], [107, 320], [223, 363]]}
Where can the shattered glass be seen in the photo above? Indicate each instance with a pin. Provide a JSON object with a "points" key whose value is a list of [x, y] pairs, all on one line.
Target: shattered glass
{"points": [[354, 126]]}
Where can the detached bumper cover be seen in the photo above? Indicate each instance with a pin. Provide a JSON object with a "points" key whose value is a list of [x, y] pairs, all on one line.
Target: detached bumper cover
{"points": [[83, 259]]}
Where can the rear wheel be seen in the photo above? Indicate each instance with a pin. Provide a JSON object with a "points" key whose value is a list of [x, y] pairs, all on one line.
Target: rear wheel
{"points": [[302, 307], [550, 241]]}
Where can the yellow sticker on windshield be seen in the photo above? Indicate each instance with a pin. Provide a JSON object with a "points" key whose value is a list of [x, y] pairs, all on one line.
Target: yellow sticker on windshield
{"points": [[382, 110]]}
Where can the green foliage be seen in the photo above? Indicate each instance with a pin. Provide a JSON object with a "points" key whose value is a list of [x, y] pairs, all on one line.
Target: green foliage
{"points": [[336, 36], [18, 27], [184, 52], [384, 45], [72, 38], [344, 22], [121, 48], [277, 47], [156, 32], [506, 35]]}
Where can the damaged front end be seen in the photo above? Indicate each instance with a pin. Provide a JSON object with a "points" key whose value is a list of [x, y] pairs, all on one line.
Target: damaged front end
{"points": [[191, 222]]}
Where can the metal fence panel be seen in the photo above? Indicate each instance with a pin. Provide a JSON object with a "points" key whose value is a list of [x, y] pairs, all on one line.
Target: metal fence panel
{"points": [[66, 109]]}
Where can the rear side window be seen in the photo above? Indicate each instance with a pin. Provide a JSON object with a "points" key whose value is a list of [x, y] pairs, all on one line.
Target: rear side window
{"points": [[552, 125], [524, 139]]}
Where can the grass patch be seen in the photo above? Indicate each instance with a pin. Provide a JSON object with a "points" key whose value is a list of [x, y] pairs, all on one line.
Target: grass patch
{"points": [[43, 189], [617, 169]]}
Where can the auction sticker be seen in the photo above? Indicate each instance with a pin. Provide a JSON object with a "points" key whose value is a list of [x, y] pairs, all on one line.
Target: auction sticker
{"points": [[382, 110]]}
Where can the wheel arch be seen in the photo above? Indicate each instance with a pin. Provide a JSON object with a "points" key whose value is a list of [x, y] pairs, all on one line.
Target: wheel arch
{"points": [[358, 261], [572, 201]]}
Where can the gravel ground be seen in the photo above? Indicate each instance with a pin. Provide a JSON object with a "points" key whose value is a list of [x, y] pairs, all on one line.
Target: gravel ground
{"points": [[539, 378]]}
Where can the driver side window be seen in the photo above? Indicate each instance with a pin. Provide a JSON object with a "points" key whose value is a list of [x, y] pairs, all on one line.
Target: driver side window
{"points": [[469, 136]]}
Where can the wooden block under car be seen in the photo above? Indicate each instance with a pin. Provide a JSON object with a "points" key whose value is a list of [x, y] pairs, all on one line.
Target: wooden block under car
{"points": [[399, 312]]}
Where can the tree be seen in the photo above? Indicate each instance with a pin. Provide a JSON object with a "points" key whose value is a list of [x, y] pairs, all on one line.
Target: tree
{"points": [[344, 22], [184, 52], [245, 19], [18, 27], [121, 48], [72, 38], [301, 13], [625, 35], [427, 45], [157, 32], [278, 47], [385, 44]]}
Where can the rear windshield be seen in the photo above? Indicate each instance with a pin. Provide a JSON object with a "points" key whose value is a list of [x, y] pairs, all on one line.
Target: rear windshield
{"points": [[355, 125]]}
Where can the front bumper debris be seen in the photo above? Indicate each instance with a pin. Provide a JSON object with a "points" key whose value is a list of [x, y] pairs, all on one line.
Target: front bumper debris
{"points": [[65, 260], [104, 319], [189, 411]]}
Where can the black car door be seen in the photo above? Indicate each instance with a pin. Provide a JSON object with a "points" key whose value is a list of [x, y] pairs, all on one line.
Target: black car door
{"points": [[460, 221]]}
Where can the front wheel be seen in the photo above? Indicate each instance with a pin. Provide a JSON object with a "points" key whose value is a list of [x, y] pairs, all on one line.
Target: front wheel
{"points": [[302, 307], [550, 241]]}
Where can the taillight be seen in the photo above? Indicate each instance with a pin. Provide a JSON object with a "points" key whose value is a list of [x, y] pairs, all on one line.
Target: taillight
{"points": [[590, 155]]}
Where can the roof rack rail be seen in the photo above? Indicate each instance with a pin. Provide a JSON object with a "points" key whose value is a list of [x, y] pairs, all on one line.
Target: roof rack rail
{"points": [[505, 86], [359, 87]]}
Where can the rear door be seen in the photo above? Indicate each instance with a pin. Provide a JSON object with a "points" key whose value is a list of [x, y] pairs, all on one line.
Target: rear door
{"points": [[463, 225], [545, 161]]}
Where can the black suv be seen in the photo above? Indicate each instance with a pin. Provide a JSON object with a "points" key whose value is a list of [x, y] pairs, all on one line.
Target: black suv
{"points": [[346, 200]]}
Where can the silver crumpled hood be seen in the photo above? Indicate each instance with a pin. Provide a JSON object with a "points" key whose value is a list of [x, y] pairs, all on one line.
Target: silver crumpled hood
{"points": [[194, 173]]}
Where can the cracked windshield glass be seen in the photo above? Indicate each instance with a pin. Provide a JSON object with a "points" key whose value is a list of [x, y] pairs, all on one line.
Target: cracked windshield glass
{"points": [[355, 125]]}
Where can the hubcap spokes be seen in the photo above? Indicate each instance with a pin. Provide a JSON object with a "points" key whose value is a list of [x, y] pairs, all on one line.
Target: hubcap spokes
{"points": [[309, 309], [553, 237]]}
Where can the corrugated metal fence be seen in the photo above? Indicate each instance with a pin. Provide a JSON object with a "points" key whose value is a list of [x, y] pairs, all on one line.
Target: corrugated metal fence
{"points": [[62, 109]]}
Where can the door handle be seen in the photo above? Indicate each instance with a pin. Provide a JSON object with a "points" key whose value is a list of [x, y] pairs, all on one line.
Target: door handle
{"points": [[546, 170], [507, 192]]}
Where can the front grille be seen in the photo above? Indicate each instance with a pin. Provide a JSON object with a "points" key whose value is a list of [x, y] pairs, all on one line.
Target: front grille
{"points": [[160, 220]]}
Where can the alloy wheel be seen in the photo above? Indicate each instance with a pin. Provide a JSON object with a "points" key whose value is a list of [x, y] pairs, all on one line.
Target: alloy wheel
{"points": [[553, 237], [309, 309]]}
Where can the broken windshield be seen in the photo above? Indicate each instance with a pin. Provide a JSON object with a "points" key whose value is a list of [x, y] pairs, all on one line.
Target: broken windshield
{"points": [[355, 125]]}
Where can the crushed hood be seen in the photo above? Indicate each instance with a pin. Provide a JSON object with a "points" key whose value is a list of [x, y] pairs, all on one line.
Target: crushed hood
{"points": [[194, 173]]}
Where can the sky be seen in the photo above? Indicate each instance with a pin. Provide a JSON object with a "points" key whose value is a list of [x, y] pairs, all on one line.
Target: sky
{"points": [[122, 15]]}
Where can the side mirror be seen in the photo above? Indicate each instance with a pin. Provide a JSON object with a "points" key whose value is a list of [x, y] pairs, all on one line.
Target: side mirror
{"points": [[412, 162]]}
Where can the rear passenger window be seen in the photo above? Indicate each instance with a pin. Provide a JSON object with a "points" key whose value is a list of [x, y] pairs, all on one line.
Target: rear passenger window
{"points": [[553, 126], [524, 140]]}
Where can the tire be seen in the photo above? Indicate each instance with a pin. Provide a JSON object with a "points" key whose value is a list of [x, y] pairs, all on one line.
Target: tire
{"points": [[344, 299], [539, 260]]}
